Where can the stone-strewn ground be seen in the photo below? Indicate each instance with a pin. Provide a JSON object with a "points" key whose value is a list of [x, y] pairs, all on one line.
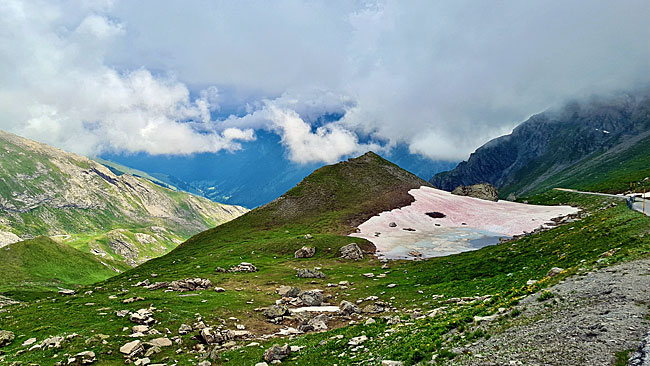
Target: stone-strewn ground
{"points": [[588, 320]]}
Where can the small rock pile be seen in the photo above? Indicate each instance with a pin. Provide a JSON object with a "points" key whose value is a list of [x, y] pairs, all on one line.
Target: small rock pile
{"points": [[243, 267], [305, 252], [190, 284]]}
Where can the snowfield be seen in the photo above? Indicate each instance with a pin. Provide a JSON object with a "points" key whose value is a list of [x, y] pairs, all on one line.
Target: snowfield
{"points": [[458, 224]]}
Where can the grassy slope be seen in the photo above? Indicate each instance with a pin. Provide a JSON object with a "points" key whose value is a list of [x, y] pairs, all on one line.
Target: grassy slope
{"points": [[268, 237], [43, 264]]}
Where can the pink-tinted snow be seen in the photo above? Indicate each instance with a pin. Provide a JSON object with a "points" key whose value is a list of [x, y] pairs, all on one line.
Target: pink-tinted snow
{"points": [[468, 222]]}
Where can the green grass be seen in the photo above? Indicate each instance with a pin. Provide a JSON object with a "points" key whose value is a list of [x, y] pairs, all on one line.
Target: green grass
{"points": [[42, 264], [326, 205]]}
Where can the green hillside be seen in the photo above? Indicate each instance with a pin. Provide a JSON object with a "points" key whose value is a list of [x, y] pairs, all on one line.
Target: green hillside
{"points": [[326, 205], [43, 264]]}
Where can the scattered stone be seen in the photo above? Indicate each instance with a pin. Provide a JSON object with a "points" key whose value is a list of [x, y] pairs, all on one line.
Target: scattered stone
{"points": [[211, 336], [132, 349], [277, 352], [243, 267], [219, 289], [311, 297], [191, 284], [275, 311], [52, 342], [484, 191], [184, 329], [348, 308], [315, 324], [261, 364], [415, 253], [220, 269], [29, 342], [308, 236], [391, 285], [392, 224], [531, 282], [369, 275], [157, 285], [391, 363], [122, 313], [288, 291], [305, 252], [357, 340], [351, 251], [369, 321], [310, 273], [554, 271], [436, 215], [373, 309], [161, 342], [142, 316], [132, 299], [142, 361], [139, 329], [66, 292], [85, 358], [6, 337]]}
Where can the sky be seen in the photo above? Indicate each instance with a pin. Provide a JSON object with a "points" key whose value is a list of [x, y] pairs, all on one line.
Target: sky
{"points": [[178, 77]]}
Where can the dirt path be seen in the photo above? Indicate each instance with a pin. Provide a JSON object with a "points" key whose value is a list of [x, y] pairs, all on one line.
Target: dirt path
{"points": [[589, 319]]}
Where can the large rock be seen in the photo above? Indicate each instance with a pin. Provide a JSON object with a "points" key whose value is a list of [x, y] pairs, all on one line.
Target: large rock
{"points": [[85, 357], [243, 267], [275, 311], [305, 252], [191, 284], [6, 337], [311, 297], [143, 317], [554, 271], [315, 324], [277, 352], [212, 336], [351, 251], [348, 308], [484, 191], [310, 273], [132, 349], [288, 291]]}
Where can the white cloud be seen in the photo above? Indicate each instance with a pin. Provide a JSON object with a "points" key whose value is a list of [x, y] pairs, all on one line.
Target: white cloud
{"points": [[442, 77], [61, 91]]}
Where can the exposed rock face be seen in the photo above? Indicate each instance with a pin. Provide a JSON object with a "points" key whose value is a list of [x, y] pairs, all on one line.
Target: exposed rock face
{"points": [[484, 191], [55, 193], [351, 251], [305, 252], [554, 144]]}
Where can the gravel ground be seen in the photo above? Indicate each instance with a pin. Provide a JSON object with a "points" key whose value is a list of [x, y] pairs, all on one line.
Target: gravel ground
{"points": [[589, 319]]}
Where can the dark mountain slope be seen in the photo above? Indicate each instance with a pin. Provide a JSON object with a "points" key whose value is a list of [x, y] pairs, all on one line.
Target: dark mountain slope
{"points": [[550, 147]]}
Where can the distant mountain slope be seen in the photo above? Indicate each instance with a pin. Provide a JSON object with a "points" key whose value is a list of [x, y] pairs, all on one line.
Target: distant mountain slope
{"points": [[46, 264], [601, 143], [46, 191], [253, 176]]}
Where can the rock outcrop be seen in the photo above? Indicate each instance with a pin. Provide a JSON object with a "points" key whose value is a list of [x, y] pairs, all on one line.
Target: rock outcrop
{"points": [[484, 191], [351, 251]]}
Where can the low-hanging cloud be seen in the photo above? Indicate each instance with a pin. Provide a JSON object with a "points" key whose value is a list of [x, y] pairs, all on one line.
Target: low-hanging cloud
{"points": [[441, 77]]}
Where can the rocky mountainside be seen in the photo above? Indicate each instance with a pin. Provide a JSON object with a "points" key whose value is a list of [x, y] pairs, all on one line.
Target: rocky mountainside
{"points": [[551, 146], [47, 191]]}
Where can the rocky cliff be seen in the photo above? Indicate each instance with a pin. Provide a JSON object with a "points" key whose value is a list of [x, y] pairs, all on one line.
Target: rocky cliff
{"points": [[47, 191], [552, 143]]}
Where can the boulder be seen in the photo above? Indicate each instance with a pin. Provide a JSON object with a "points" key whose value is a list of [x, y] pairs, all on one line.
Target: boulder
{"points": [[277, 352], [351, 251], [373, 309], [310, 273], [484, 191], [554, 271], [315, 324], [132, 349], [212, 336], [161, 342], [184, 329], [348, 308], [392, 224], [275, 311], [305, 252], [311, 297], [86, 357], [143, 317], [6, 337], [243, 267], [288, 291], [191, 284]]}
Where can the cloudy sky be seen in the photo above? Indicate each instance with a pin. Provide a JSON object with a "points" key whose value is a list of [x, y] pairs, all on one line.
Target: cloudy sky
{"points": [[178, 77]]}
